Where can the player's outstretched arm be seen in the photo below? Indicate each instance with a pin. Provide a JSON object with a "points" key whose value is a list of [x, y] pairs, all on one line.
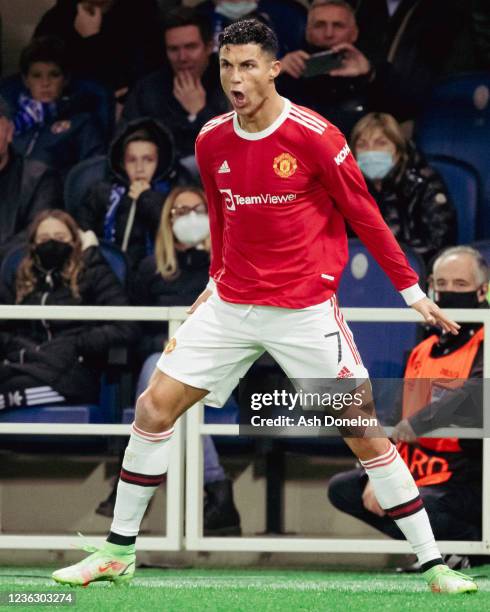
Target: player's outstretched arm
{"points": [[434, 315]]}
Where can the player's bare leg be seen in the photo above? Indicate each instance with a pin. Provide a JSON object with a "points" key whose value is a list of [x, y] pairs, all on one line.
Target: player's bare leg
{"points": [[144, 466], [398, 496]]}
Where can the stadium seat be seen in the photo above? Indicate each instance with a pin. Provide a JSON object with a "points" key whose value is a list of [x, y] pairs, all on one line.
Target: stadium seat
{"points": [[92, 97], [456, 124], [463, 185], [106, 411], [79, 180], [483, 246]]}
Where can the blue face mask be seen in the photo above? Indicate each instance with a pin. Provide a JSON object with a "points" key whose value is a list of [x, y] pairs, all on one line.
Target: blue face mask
{"points": [[375, 164]]}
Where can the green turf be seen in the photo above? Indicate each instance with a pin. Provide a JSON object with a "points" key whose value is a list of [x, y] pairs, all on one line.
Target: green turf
{"points": [[253, 590]]}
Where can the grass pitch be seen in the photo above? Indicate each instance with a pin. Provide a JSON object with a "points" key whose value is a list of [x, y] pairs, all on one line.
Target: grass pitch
{"points": [[251, 590]]}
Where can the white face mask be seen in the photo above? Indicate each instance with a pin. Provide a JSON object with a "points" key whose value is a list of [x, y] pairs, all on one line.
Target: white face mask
{"points": [[235, 10], [192, 228]]}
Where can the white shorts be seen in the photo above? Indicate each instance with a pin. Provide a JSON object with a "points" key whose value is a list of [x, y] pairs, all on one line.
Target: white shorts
{"points": [[217, 344]]}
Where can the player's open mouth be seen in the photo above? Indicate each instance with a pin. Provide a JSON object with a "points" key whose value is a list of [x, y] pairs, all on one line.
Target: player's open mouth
{"points": [[238, 98]]}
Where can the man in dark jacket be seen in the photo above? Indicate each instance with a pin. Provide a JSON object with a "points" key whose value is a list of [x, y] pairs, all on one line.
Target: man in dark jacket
{"points": [[186, 92], [448, 471], [286, 17], [115, 42], [27, 186], [345, 93], [125, 209]]}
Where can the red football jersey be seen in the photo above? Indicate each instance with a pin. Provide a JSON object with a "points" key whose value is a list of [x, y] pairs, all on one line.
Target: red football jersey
{"points": [[277, 202]]}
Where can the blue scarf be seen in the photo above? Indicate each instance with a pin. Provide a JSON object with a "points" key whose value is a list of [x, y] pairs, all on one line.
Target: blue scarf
{"points": [[118, 192], [33, 113]]}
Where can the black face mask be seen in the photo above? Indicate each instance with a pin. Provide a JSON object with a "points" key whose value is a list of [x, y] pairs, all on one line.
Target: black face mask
{"points": [[53, 254], [457, 299]]}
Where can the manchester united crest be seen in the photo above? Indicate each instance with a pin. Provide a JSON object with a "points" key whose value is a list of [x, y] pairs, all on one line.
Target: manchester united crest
{"points": [[285, 165]]}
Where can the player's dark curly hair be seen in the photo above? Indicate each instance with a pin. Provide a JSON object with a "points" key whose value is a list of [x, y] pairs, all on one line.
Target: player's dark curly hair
{"points": [[250, 31]]}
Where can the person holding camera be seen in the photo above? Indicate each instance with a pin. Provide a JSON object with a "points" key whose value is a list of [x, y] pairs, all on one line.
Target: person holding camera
{"points": [[330, 74]]}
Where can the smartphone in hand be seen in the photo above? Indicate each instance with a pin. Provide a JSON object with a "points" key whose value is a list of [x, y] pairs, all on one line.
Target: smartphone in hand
{"points": [[323, 62]]}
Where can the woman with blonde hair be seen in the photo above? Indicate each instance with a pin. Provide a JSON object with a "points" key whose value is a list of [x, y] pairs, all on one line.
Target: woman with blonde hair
{"points": [[411, 195], [58, 361], [178, 271]]}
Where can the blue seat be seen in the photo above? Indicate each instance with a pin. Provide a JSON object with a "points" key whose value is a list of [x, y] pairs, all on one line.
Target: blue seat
{"points": [[79, 180], [383, 346], [106, 410], [483, 246], [462, 182], [456, 124]]}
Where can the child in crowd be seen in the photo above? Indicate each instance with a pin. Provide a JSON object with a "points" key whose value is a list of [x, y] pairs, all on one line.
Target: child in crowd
{"points": [[52, 124], [125, 209]]}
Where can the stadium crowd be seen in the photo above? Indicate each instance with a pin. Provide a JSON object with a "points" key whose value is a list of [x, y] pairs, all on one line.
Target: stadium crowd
{"points": [[97, 134]]}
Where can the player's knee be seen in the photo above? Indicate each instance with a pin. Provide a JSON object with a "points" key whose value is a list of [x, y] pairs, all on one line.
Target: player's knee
{"points": [[150, 409]]}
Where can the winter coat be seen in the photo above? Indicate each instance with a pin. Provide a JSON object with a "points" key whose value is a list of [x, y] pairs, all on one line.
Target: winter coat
{"points": [[128, 46], [153, 97], [64, 141], [27, 187], [66, 355], [92, 213], [149, 288], [416, 206]]}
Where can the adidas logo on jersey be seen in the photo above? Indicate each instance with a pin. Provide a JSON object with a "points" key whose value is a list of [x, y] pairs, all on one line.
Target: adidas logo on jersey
{"points": [[224, 168]]}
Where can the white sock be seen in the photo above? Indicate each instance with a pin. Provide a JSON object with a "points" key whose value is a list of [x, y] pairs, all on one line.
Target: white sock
{"points": [[144, 466], [398, 495]]}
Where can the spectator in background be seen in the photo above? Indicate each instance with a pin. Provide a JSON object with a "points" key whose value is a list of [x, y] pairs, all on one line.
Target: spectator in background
{"points": [[174, 276], [343, 94], [286, 17], [186, 93], [448, 471], [126, 209], [414, 43], [46, 362], [115, 42], [411, 195], [27, 186], [342, 99], [50, 124]]}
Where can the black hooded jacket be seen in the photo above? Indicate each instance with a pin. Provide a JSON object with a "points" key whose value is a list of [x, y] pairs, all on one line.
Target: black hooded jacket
{"points": [[416, 206], [66, 355], [92, 213]]}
